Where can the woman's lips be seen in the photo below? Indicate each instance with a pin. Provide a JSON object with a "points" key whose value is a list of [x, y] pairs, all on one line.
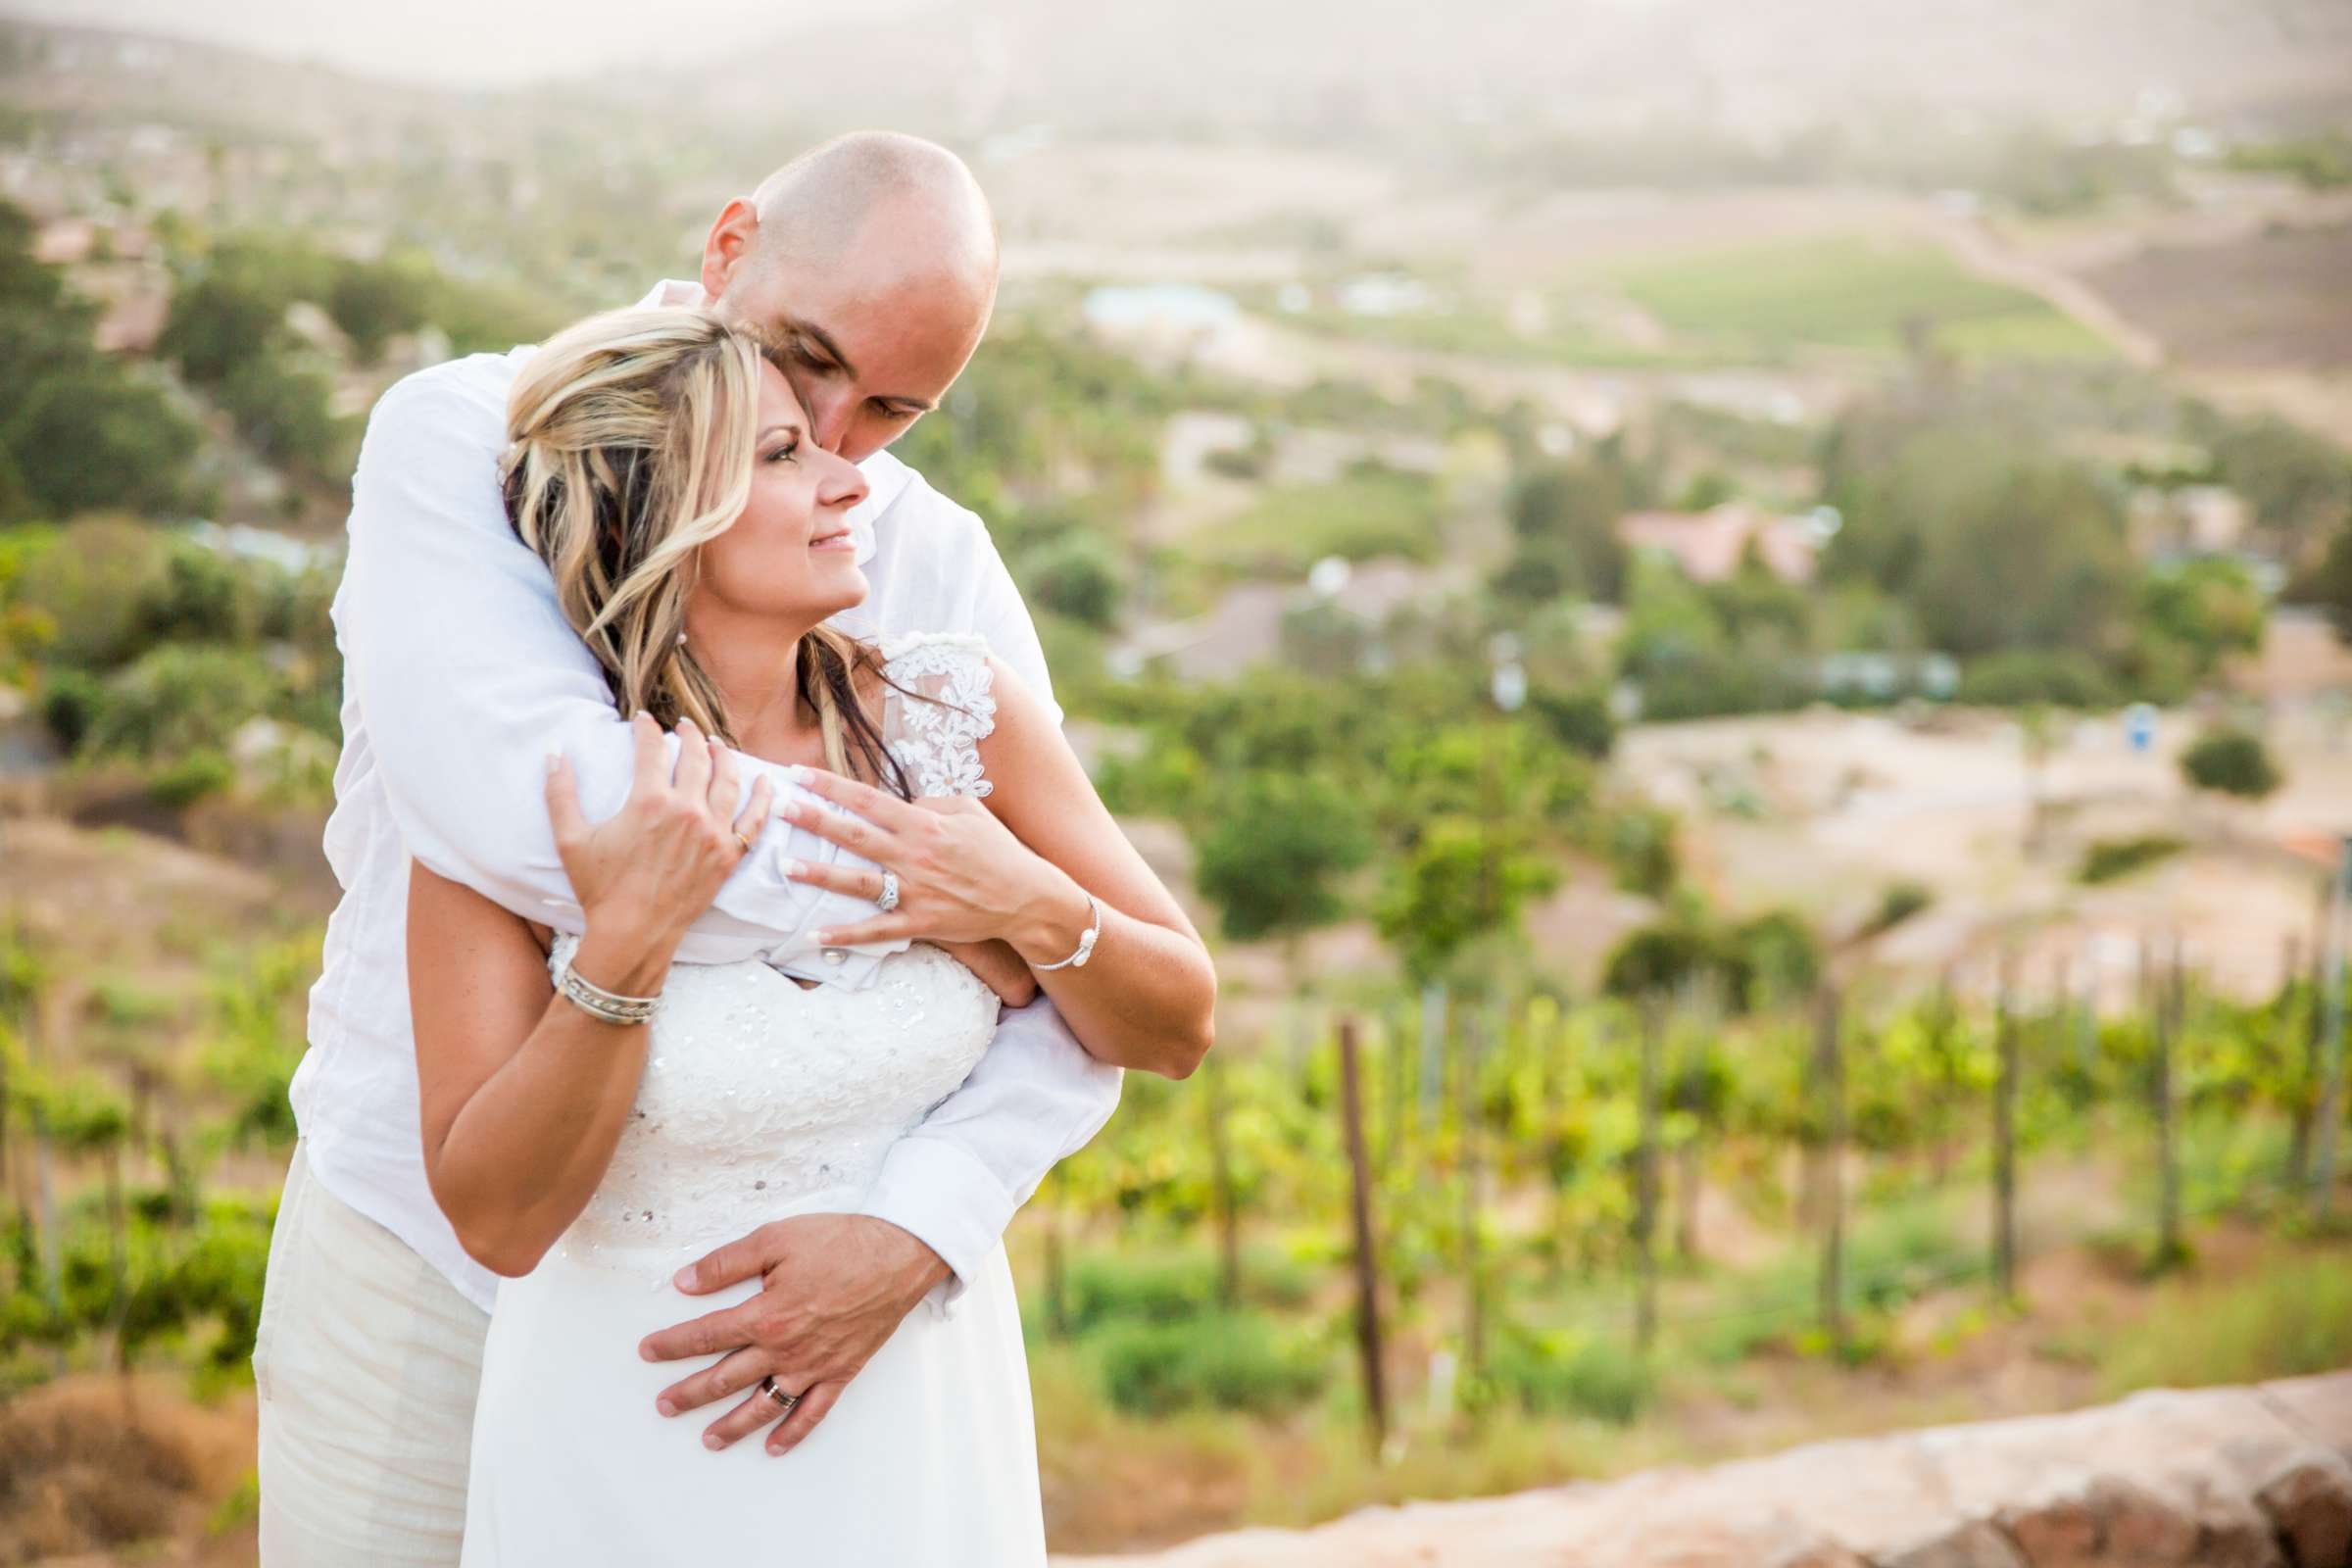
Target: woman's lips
{"points": [[843, 540]]}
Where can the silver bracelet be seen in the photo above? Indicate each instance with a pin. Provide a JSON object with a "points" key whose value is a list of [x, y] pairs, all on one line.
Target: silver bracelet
{"points": [[1086, 941], [609, 1007]]}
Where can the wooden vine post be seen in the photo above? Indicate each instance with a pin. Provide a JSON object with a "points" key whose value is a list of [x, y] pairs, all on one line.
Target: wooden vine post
{"points": [[1367, 1261]]}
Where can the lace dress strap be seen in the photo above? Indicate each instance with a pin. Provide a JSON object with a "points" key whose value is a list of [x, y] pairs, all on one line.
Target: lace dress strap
{"points": [[939, 710]]}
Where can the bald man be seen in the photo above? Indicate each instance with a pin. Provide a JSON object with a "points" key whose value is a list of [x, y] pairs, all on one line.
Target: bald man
{"points": [[869, 266]]}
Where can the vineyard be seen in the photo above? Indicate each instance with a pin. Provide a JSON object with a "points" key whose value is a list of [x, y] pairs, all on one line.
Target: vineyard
{"points": [[1569, 1209]]}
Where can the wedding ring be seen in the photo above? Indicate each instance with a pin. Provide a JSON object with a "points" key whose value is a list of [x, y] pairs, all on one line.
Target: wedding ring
{"points": [[889, 899], [784, 1401], [743, 839]]}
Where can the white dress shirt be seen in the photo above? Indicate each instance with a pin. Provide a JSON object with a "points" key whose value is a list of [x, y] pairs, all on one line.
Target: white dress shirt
{"points": [[461, 675]]}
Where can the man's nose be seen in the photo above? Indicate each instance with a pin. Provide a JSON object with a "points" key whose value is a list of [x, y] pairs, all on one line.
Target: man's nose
{"points": [[829, 414]]}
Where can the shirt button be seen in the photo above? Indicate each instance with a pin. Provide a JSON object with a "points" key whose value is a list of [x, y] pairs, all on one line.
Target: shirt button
{"points": [[836, 954]]}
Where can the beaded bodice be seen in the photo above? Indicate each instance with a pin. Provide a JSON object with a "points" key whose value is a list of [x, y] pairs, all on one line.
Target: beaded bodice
{"points": [[758, 1094]]}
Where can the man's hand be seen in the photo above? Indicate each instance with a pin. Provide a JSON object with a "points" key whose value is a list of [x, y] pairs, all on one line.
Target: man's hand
{"points": [[834, 1286], [1000, 969]]}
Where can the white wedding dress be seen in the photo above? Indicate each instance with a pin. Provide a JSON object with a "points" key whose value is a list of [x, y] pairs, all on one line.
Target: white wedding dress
{"points": [[761, 1100]]}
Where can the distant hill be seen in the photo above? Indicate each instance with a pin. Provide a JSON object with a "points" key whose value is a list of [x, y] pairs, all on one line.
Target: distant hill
{"points": [[1318, 69]]}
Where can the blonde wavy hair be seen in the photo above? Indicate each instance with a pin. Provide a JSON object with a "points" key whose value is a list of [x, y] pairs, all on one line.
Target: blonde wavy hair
{"points": [[632, 437]]}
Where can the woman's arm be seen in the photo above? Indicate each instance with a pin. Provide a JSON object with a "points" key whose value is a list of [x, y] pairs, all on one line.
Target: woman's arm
{"points": [[1146, 997], [523, 1094], [1038, 842]]}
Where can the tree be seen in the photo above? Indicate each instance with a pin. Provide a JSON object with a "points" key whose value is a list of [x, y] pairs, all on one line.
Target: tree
{"points": [[2207, 609], [1271, 856], [2300, 484], [372, 300], [2227, 761], [1462, 880], [218, 322], [2329, 583], [79, 430], [1564, 517], [1075, 575], [2031, 554]]}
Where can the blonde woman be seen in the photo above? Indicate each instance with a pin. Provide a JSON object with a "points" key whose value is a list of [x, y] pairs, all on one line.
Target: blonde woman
{"points": [[595, 1116]]}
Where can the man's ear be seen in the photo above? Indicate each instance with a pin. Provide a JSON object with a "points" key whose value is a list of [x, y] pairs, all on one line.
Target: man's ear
{"points": [[733, 238]]}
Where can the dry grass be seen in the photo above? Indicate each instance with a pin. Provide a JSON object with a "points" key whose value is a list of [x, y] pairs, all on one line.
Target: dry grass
{"points": [[95, 1464]]}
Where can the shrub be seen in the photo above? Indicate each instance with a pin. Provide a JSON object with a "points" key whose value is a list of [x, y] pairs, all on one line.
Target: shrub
{"points": [[1900, 902], [70, 704], [1175, 1287], [1638, 841], [2023, 675], [2230, 761], [180, 698], [1566, 1372], [1578, 719], [2111, 860], [183, 781], [1158, 1290], [1228, 1361], [91, 581]]}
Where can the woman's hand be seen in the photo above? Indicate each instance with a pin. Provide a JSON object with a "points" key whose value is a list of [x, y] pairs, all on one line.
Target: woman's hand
{"points": [[962, 875], [643, 875]]}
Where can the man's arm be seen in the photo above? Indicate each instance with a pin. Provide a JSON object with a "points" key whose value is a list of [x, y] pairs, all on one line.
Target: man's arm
{"points": [[955, 1180], [469, 676]]}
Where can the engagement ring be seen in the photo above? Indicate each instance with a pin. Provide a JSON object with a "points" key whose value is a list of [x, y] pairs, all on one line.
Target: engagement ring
{"points": [[889, 899]]}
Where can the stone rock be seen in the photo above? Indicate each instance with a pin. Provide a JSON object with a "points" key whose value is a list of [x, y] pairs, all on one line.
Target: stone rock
{"points": [[2310, 1506], [2212, 1478], [1976, 1543]]}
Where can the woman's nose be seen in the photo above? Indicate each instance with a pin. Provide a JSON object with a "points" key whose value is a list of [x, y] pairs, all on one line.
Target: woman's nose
{"points": [[844, 484]]}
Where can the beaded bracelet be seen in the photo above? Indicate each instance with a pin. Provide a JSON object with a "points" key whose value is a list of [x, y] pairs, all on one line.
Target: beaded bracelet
{"points": [[609, 1006]]}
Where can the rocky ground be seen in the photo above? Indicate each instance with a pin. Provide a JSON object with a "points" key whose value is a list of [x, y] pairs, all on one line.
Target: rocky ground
{"points": [[2254, 1477]]}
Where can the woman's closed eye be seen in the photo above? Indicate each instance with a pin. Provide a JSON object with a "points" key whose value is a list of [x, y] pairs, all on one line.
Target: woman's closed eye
{"points": [[785, 452]]}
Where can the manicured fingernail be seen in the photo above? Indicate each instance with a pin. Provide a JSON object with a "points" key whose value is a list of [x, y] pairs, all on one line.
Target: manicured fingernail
{"points": [[824, 939], [683, 1279], [776, 1451], [667, 1406], [554, 761], [712, 1439], [645, 1351], [794, 774], [794, 868]]}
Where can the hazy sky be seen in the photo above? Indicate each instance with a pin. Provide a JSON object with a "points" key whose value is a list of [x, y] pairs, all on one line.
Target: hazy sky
{"points": [[462, 42]]}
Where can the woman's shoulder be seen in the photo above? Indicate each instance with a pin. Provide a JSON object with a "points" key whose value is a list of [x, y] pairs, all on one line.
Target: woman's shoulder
{"points": [[918, 652], [948, 667], [940, 704]]}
